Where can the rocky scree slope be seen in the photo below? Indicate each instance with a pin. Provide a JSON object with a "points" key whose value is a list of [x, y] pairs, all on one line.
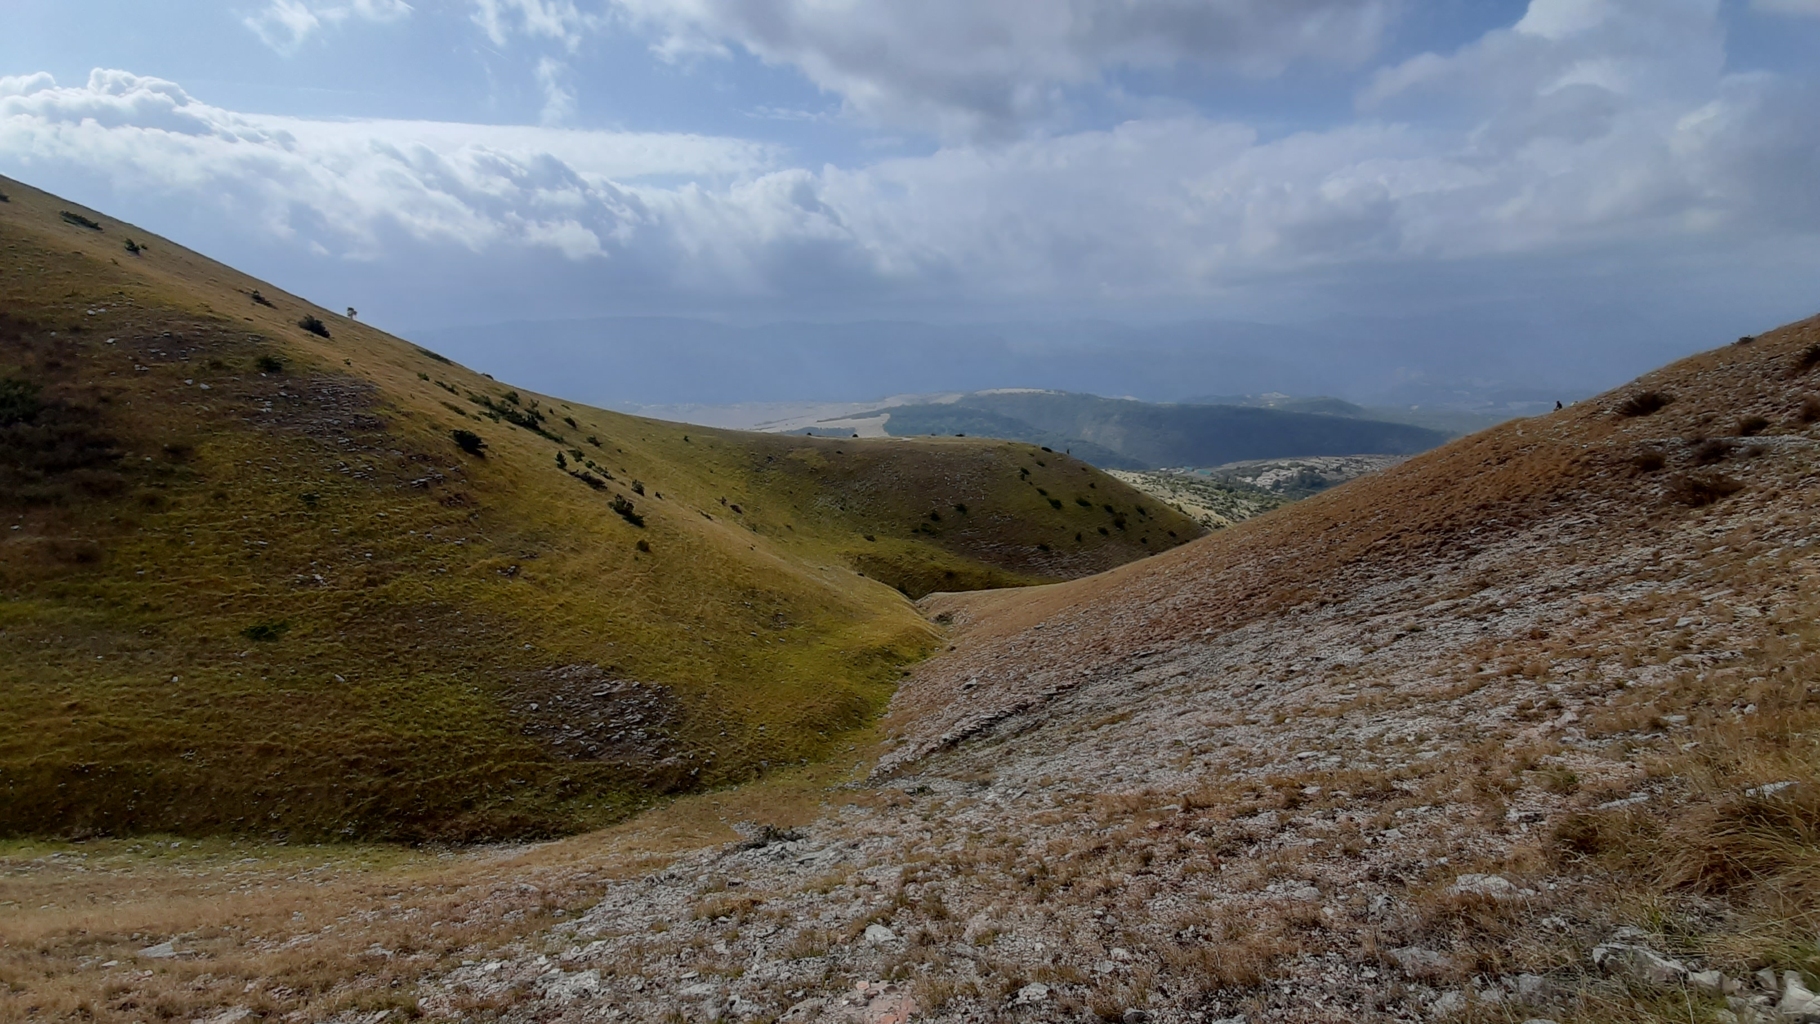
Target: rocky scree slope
{"points": [[1522, 728], [265, 569]]}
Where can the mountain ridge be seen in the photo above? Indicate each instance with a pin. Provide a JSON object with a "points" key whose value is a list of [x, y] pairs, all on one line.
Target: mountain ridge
{"points": [[1127, 434]]}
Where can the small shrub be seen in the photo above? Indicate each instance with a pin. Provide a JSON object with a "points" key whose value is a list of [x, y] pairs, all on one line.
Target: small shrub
{"points": [[1740, 841], [1696, 490], [1751, 426], [570, 420], [422, 375], [269, 364], [1055, 503], [1745, 340], [1809, 411], [638, 487], [768, 834], [79, 220], [135, 248], [1708, 453], [1559, 780], [19, 402], [1649, 462], [590, 479], [469, 442], [1644, 403], [1083, 502], [438, 356], [626, 511], [259, 299], [4, 198], [562, 461], [266, 632], [1808, 359], [314, 325], [595, 441], [643, 545], [309, 498]]}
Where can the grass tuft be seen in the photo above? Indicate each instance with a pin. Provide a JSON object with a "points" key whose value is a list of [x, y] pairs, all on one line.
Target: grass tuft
{"points": [[1644, 403]]}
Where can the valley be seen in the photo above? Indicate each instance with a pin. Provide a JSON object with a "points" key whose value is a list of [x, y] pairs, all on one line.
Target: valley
{"points": [[318, 712], [1123, 434]]}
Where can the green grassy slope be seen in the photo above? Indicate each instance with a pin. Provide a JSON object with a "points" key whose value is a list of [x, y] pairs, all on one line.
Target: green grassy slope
{"points": [[249, 581], [1143, 435]]}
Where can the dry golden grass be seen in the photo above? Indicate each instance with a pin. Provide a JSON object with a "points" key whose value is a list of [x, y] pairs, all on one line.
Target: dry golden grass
{"points": [[319, 929]]}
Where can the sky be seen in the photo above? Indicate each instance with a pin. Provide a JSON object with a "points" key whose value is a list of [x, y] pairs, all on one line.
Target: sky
{"points": [[1638, 178]]}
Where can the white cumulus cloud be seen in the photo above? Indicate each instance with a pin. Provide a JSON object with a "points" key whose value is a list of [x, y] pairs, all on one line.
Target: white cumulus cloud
{"points": [[350, 185]]}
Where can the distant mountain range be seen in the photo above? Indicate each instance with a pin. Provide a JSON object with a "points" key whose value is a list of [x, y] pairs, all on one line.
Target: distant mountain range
{"points": [[1119, 433], [637, 362]]}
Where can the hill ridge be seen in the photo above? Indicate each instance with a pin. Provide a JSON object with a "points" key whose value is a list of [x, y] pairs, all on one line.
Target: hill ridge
{"points": [[289, 540]]}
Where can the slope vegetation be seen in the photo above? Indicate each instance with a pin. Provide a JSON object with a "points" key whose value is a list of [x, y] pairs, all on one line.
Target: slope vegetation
{"points": [[267, 569]]}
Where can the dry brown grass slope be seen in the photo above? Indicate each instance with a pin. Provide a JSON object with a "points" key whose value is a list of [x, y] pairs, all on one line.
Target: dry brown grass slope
{"points": [[252, 582]]}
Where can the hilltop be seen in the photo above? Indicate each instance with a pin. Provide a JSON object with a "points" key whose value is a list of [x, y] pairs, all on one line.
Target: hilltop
{"points": [[269, 570]]}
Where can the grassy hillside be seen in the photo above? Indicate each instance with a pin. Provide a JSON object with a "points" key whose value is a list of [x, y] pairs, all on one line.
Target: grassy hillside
{"points": [[1120, 433], [253, 578]]}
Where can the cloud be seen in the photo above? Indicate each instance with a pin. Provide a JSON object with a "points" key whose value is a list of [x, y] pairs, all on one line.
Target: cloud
{"points": [[971, 67], [555, 20], [1586, 131], [349, 187], [559, 97], [285, 25]]}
